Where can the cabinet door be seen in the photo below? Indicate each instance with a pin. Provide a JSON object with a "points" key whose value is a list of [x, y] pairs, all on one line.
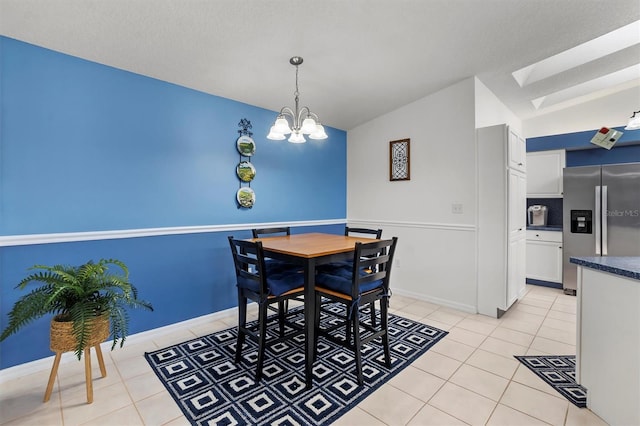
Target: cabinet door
{"points": [[544, 261], [517, 202], [517, 148], [544, 173], [516, 260]]}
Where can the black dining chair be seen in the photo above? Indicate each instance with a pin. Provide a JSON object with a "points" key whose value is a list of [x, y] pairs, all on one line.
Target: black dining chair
{"points": [[372, 233], [365, 283], [347, 264], [271, 232], [353, 232], [275, 264], [265, 288], [275, 232]]}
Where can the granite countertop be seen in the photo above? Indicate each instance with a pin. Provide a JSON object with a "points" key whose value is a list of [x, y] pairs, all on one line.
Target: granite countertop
{"points": [[628, 266], [545, 228]]}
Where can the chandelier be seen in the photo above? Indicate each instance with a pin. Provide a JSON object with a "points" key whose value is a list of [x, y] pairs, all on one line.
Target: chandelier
{"points": [[298, 121]]}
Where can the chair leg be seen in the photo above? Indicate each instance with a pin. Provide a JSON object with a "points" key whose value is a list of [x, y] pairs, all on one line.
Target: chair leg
{"points": [[242, 323], [357, 346], [52, 376], [262, 337], [372, 308], [282, 309], [347, 333], [384, 324]]}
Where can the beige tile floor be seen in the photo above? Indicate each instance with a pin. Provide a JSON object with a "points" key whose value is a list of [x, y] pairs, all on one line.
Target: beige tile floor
{"points": [[469, 377]]}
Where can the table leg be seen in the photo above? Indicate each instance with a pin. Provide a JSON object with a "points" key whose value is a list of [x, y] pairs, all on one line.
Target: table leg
{"points": [[309, 318]]}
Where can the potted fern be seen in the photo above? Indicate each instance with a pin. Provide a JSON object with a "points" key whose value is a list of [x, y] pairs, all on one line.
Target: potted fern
{"points": [[87, 301]]}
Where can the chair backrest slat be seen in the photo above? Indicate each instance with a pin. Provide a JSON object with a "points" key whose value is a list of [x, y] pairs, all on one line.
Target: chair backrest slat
{"points": [[270, 232], [375, 233], [248, 259], [376, 258]]}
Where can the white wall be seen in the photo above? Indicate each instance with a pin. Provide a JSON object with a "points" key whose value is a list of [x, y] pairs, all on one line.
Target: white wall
{"points": [[436, 249], [490, 110], [610, 111]]}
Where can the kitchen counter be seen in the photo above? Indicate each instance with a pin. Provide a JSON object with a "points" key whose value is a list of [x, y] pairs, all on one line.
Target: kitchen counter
{"points": [[628, 266], [608, 336], [557, 228]]}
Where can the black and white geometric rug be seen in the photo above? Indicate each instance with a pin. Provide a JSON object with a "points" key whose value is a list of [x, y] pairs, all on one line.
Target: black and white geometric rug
{"points": [[211, 389], [559, 371]]}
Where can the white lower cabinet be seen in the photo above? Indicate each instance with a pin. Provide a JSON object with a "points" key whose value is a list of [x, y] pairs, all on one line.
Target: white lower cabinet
{"points": [[517, 258], [544, 256]]}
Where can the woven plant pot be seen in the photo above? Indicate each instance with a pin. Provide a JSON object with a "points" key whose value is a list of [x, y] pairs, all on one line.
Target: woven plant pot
{"points": [[62, 339]]}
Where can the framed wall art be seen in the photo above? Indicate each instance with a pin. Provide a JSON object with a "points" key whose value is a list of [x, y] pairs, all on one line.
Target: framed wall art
{"points": [[399, 160]]}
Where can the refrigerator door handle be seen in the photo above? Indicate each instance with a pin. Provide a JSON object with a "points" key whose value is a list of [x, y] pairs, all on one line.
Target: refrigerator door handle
{"points": [[597, 220], [604, 220]]}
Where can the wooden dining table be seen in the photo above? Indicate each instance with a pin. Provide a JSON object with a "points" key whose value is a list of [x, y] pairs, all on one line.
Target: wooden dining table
{"points": [[310, 250]]}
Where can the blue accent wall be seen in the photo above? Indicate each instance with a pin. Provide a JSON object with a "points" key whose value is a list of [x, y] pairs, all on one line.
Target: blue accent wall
{"points": [[581, 152], [86, 147], [594, 157], [183, 276], [554, 209]]}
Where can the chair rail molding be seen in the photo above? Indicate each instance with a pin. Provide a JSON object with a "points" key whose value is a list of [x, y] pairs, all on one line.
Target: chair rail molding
{"points": [[31, 239], [425, 225]]}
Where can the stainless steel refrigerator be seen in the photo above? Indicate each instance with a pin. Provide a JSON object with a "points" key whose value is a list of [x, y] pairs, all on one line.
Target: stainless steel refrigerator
{"points": [[601, 214]]}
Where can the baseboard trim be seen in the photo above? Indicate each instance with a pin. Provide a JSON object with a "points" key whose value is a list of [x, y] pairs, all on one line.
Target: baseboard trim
{"points": [[44, 364], [442, 302], [544, 283]]}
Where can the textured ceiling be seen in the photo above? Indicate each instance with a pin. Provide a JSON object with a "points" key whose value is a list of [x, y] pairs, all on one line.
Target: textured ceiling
{"points": [[363, 58]]}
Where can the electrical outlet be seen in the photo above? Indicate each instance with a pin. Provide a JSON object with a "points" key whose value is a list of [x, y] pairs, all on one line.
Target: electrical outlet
{"points": [[456, 208]]}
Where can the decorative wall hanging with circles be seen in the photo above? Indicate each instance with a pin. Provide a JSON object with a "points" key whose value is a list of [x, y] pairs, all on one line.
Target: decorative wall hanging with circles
{"points": [[246, 146], [245, 170], [246, 197]]}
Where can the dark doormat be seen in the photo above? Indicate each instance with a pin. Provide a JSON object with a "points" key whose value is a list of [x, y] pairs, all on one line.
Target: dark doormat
{"points": [[559, 371]]}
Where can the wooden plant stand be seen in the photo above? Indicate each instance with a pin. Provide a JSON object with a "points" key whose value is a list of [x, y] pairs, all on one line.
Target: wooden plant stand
{"points": [[62, 340], [87, 372]]}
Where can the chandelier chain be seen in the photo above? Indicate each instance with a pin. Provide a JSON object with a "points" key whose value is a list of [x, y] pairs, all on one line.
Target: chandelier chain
{"points": [[296, 93]]}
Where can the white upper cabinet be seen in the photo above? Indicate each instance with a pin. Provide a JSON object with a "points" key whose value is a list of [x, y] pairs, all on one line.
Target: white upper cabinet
{"points": [[517, 148], [544, 173], [517, 202]]}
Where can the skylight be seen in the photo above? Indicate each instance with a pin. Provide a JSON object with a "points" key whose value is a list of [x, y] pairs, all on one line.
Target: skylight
{"points": [[599, 47], [592, 87]]}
